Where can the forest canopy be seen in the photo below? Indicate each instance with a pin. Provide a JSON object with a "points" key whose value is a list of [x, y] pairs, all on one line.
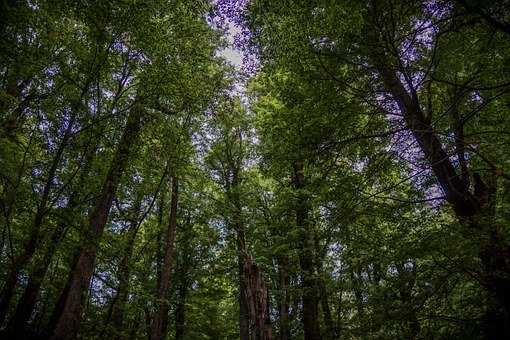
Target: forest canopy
{"points": [[254, 169]]}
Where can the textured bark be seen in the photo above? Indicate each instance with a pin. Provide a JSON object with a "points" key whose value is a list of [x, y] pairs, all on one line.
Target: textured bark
{"points": [[254, 322], [257, 301], [160, 318], [59, 306], [68, 321], [159, 240], [310, 296], [495, 257]]}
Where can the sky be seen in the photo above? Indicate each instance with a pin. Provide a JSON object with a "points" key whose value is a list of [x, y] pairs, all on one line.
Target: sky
{"points": [[231, 53]]}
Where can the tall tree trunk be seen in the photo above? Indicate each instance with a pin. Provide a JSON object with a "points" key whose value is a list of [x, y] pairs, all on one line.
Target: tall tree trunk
{"points": [[244, 318], [68, 321], [17, 324], [256, 298], [407, 280], [357, 283], [180, 310], [27, 301], [159, 240], [232, 190], [116, 313], [338, 312], [326, 311], [185, 279], [473, 208], [310, 296], [284, 297], [160, 318], [31, 243]]}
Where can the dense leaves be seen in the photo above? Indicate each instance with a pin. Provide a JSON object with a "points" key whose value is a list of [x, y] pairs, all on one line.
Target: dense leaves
{"points": [[349, 181]]}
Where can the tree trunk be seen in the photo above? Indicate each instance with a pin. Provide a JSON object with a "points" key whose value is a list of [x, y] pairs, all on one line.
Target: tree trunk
{"points": [[326, 311], [473, 208], [180, 310], [244, 318], [31, 244], [284, 298], [256, 298], [116, 315], [306, 259], [159, 239], [160, 318], [407, 280], [17, 324], [185, 278], [27, 301], [495, 257], [68, 321], [358, 292], [232, 187]]}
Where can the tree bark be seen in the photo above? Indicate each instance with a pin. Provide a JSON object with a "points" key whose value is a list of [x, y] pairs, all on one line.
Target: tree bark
{"points": [[310, 296], [68, 321], [256, 298], [160, 319]]}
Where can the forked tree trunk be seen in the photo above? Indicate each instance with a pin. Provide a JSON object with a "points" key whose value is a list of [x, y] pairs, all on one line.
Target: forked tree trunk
{"points": [[68, 322], [473, 208]]}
